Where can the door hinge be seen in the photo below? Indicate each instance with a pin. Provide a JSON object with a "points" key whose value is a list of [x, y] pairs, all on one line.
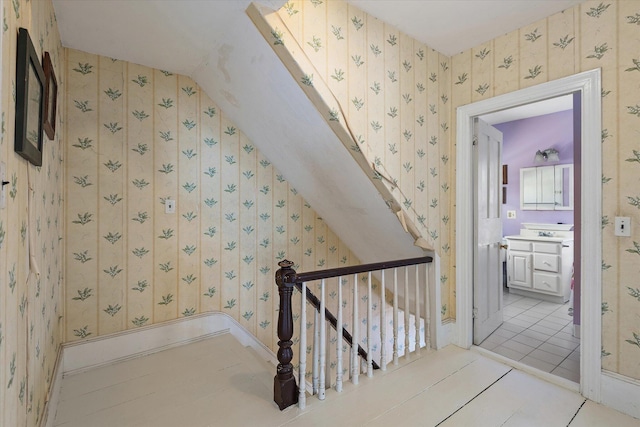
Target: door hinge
{"points": [[474, 313]]}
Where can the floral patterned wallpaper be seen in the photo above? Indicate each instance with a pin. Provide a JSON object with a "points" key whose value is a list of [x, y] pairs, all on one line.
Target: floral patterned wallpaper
{"points": [[31, 305], [138, 137], [400, 99], [393, 92]]}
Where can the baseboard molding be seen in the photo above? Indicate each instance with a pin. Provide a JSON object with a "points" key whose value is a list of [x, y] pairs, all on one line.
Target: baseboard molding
{"points": [[620, 393], [92, 353]]}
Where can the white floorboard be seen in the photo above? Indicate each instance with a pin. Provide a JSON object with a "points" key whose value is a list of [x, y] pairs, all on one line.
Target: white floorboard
{"points": [[219, 382]]}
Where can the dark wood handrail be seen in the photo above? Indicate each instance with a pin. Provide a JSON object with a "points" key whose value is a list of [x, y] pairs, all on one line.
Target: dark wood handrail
{"points": [[334, 322]]}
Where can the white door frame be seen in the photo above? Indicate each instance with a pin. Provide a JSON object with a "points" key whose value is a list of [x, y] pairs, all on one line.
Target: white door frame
{"points": [[588, 83]]}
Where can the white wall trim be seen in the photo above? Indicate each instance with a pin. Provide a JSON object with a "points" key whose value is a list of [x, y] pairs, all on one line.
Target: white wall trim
{"points": [[53, 396], [588, 83], [621, 393]]}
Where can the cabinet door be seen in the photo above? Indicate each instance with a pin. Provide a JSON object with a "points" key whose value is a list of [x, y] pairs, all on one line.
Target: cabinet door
{"points": [[519, 269], [546, 188]]}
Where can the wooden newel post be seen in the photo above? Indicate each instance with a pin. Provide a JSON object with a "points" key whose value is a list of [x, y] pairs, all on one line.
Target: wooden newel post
{"points": [[285, 389]]}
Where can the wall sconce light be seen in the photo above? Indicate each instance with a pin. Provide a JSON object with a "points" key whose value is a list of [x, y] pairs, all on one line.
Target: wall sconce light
{"points": [[550, 154]]}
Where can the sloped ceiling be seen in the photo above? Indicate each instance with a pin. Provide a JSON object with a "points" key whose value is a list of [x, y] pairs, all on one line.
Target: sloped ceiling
{"points": [[216, 44]]}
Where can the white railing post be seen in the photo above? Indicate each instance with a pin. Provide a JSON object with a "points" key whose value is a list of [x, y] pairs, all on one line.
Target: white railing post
{"points": [[427, 309], [418, 339], [302, 387], [355, 361], [323, 344], [315, 351], [339, 335], [369, 328], [407, 343], [395, 316], [383, 326]]}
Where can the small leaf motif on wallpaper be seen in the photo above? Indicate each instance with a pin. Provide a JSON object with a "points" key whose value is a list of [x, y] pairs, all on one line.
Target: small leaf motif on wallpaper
{"points": [[83, 143], [189, 154], [210, 292], [12, 278], [166, 267], [376, 87], [113, 127], [357, 23], [635, 341], [230, 216], [392, 76], [140, 321], [230, 303], [83, 69], [462, 78], [230, 159], [112, 237], [357, 102], [605, 266], [444, 98], [420, 87], [277, 37], [211, 231], [210, 111], [248, 174], [407, 203], [82, 256], [604, 222], [248, 204], [265, 270], [112, 310], [210, 202], [140, 183], [230, 274], [189, 124], [599, 51], [166, 300], [421, 153], [189, 216], [407, 167], [210, 262], [334, 115], [141, 149], [247, 315], [83, 294], [113, 199], [82, 181], [506, 62], [376, 126], [82, 332], [265, 242], [189, 186], [315, 43], [295, 240], [307, 80], [167, 233], [230, 246], [295, 217], [189, 312], [140, 115], [433, 172], [189, 279], [248, 259], [635, 293], [534, 72], [113, 165], [596, 12], [189, 249], [634, 19], [140, 252], [421, 186], [113, 271], [231, 188], [433, 77], [357, 59], [280, 229], [407, 65], [482, 88], [248, 285], [407, 98], [264, 163], [83, 218], [407, 134], [141, 218], [634, 201], [635, 158], [634, 110], [636, 67], [166, 103], [231, 130], [166, 136], [532, 36], [564, 42], [113, 94], [211, 171], [83, 106], [337, 32], [392, 40], [141, 80], [483, 53]]}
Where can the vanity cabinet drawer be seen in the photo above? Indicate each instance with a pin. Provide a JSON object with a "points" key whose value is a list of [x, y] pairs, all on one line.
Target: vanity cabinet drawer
{"points": [[546, 282], [547, 248], [520, 245], [546, 262]]}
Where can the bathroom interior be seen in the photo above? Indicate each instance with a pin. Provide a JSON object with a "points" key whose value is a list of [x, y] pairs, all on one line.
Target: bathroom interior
{"points": [[541, 321]]}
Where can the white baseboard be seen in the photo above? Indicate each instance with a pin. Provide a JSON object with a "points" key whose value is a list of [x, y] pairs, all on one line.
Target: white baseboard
{"points": [[620, 393], [92, 353]]}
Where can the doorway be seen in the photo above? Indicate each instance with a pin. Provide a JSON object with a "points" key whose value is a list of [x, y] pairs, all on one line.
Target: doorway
{"points": [[590, 246]]}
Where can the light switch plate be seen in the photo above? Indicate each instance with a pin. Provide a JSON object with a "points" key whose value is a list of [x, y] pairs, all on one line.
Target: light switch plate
{"points": [[170, 206], [623, 226]]}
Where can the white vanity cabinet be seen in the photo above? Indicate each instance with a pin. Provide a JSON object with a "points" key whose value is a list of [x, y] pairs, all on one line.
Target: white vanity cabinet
{"points": [[540, 267]]}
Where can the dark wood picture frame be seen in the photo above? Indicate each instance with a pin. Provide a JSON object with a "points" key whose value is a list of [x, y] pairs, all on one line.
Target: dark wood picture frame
{"points": [[505, 174], [504, 195], [29, 100], [50, 96]]}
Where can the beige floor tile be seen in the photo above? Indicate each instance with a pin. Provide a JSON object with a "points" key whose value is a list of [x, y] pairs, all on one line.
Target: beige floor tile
{"points": [[595, 415]]}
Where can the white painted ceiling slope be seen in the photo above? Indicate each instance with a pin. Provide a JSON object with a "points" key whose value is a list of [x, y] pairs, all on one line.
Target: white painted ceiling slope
{"points": [[215, 43]]}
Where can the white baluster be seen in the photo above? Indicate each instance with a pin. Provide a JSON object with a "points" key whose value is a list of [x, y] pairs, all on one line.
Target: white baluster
{"points": [[395, 316], [418, 310], [340, 340], [302, 396], [407, 344], [369, 328], [355, 360], [427, 302], [323, 344], [316, 350], [383, 326]]}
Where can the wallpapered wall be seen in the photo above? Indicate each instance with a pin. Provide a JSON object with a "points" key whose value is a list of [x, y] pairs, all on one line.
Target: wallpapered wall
{"points": [[394, 93], [30, 306], [592, 35], [400, 98], [139, 136]]}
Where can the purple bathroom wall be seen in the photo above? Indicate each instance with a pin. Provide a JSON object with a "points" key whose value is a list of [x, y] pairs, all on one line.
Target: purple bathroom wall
{"points": [[521, 140]]}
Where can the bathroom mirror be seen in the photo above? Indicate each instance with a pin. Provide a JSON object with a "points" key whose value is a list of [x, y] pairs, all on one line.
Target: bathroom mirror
{"points": [[546, 187]]}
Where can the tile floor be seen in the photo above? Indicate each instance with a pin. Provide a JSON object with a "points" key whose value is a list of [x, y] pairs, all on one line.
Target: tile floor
{"points": [[537, 334], [218, 382]]}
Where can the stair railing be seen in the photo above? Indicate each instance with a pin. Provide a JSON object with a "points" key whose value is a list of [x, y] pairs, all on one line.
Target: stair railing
{"points": [[286, 391]]}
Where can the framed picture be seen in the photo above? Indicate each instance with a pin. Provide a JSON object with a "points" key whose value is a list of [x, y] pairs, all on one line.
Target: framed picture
{"points": [[29, 100], [50, 96], [505, 174]]}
